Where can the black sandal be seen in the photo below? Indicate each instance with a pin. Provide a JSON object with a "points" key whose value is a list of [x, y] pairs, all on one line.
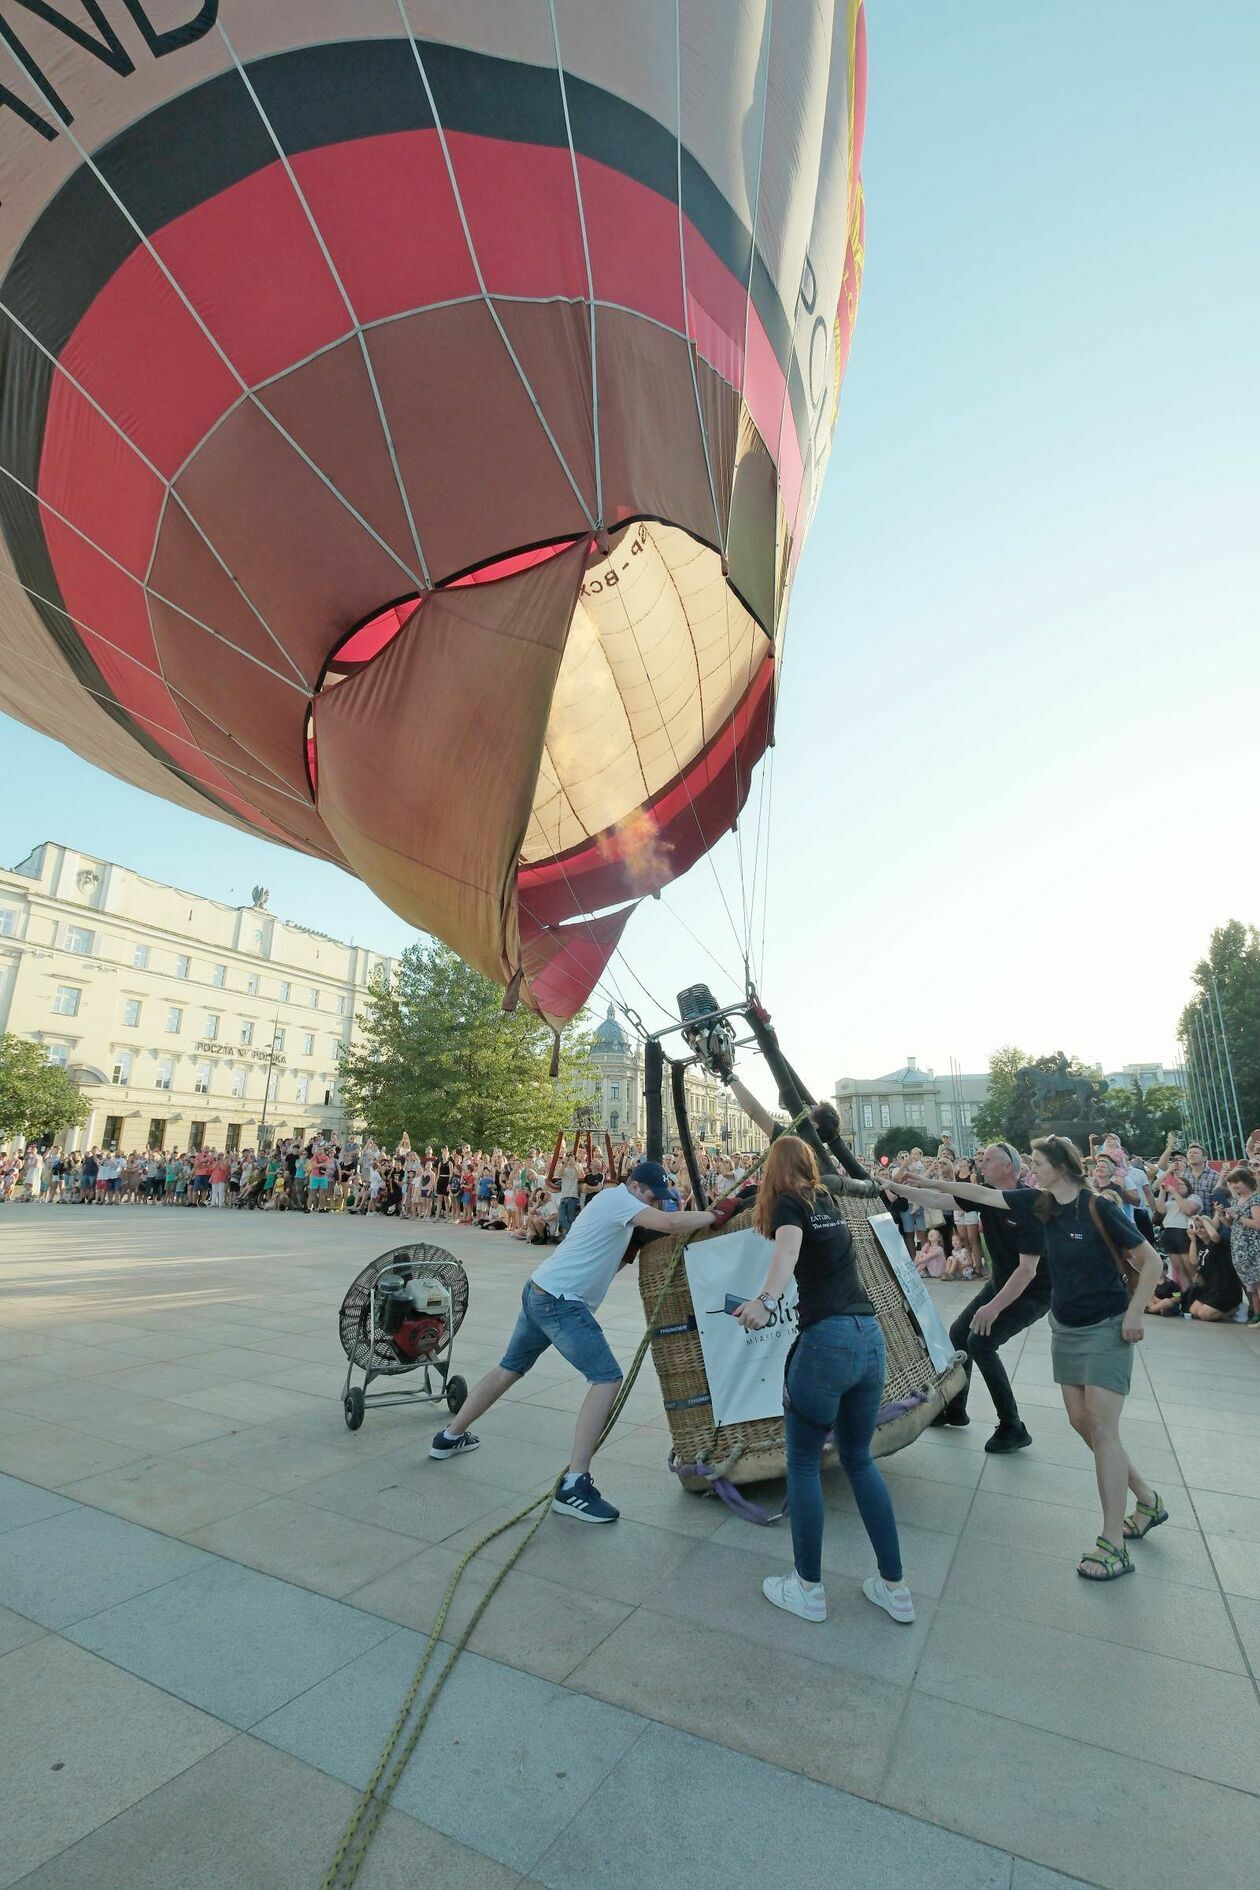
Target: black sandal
{"points": [[1110, 1561], [1145, 1517]]}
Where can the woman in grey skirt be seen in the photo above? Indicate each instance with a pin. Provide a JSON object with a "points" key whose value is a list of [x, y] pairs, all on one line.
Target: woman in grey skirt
{"points": [[1095, 1321]]}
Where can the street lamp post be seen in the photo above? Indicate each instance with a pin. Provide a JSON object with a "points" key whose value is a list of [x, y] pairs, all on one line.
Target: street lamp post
{"points": [[271, 1064]]}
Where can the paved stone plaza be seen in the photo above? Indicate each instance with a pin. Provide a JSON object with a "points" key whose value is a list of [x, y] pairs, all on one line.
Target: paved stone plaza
{"points": [[214, 1598]]}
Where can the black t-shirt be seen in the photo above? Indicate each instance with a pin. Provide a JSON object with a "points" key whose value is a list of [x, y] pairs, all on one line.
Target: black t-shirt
{"points": [[1010, 1231], [827, 1278], [1085, 1283]]}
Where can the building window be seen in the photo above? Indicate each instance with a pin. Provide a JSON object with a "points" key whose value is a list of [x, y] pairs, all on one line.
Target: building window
{"points": [[914, 1115], [336, 1049], [183, 965], [122, 1067], [341, 1007], [614, 1092], [113, 1132], [614, 1121], [232, 1141], [285, 988], [277, 1042], [165, 1070], [308, 1044], [312, 998], [868, 1115], [210, 1026], [201, 1079], [58, 1055], [157, 1132], [239, 1080], [303, 1088], [66, 1000], [219, 976], [131, 1013], [197, 1136], [140, 958], [175, 1019], [947, 1115], [885, 1116], [8, 922], [251, 984], [247, 1032], [77, 939]]}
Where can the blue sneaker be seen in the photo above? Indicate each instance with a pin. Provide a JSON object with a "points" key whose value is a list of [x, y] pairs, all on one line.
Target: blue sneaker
{"points": [[584, 1501], [444, 1446]]}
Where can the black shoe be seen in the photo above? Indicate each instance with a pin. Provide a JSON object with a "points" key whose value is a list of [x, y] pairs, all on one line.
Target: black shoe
{"points": [[584, 1501], [1007, 1438], [955, 1418], [445, 1446]]}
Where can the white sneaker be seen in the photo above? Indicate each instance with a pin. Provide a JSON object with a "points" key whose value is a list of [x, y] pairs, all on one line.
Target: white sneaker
{"points": [[790, 1593], [894, 1600]]}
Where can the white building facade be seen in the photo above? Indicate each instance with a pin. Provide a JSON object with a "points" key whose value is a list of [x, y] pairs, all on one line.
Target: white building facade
{"points": [[910, 1098], [186, 1023]]}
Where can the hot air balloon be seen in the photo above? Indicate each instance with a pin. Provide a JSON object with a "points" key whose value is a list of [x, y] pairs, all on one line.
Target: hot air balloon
{"points": [[412, 416]]}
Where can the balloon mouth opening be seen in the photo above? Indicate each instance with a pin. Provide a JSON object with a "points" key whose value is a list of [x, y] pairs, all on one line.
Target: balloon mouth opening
{"points": [[375, 632], [372, 634]]}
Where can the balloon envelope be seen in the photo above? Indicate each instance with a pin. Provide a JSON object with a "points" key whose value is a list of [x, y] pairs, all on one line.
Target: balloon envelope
{"points": [[412, 417]]}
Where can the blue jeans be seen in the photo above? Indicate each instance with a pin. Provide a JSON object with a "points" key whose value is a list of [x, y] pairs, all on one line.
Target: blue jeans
{"points": [[569, 1325], [835, 1382], [568, 1212]]}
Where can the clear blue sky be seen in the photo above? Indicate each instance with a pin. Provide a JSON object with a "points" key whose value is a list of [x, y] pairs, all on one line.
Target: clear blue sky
{"points": [[1021, 680]]}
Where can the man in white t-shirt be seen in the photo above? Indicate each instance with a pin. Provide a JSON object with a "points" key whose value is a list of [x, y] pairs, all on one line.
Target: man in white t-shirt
{"points": [[558, 1308]]}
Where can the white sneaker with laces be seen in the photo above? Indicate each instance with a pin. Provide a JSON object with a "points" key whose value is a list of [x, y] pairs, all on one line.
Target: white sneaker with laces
{"points": [[790, 1593], [894, 1599]]}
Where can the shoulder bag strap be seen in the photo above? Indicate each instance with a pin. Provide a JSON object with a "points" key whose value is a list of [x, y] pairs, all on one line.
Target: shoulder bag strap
{"points": [[1124, 1267]]}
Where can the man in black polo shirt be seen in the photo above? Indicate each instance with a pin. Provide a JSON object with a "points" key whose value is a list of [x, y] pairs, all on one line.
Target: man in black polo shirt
{"points": [[1008, 1233]]}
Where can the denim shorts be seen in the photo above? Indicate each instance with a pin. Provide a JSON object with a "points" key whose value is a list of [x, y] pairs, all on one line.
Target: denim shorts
{"points": [[569, 1325]]}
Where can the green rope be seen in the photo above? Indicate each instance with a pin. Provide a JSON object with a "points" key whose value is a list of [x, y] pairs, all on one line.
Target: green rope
{"points": [[374, 1802]]}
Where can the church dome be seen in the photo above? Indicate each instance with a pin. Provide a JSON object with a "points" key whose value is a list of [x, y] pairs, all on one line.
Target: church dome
{"points": [[610, 1035]]}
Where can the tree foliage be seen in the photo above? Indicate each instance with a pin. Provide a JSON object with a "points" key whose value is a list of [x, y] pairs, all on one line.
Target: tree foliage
{"points": [[1233, 961], [441, 1059], [988, 1122], [893, 1140], [1142, 1118], [37, 1100]]}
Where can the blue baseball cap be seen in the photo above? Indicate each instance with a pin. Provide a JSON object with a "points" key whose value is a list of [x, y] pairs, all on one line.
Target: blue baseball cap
{"points": [[651, 1175]]}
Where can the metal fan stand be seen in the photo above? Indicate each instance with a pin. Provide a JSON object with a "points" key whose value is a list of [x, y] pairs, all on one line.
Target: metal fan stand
{"points": [[369, 1344]]}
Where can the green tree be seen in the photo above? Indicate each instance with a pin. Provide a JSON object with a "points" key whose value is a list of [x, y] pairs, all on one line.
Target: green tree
{"points": [[1231, 974], [37, 1100], [988, 1122], [1141, 1118], [441, 1059], [893, 1140]]}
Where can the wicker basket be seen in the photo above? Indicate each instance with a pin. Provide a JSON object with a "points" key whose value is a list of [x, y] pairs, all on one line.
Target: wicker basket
{"points": [[757, 1448]]}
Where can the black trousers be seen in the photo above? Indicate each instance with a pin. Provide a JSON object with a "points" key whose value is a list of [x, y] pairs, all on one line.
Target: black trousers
{"points": [[982, 1349]]}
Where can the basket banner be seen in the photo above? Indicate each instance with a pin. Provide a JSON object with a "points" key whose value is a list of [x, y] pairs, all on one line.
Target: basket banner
{"points": [[744, 1369], [922, 1307]]}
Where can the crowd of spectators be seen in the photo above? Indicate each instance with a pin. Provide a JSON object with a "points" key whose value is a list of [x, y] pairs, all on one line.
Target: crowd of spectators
{"points": [[1203, 1216], [535, 1197]]}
